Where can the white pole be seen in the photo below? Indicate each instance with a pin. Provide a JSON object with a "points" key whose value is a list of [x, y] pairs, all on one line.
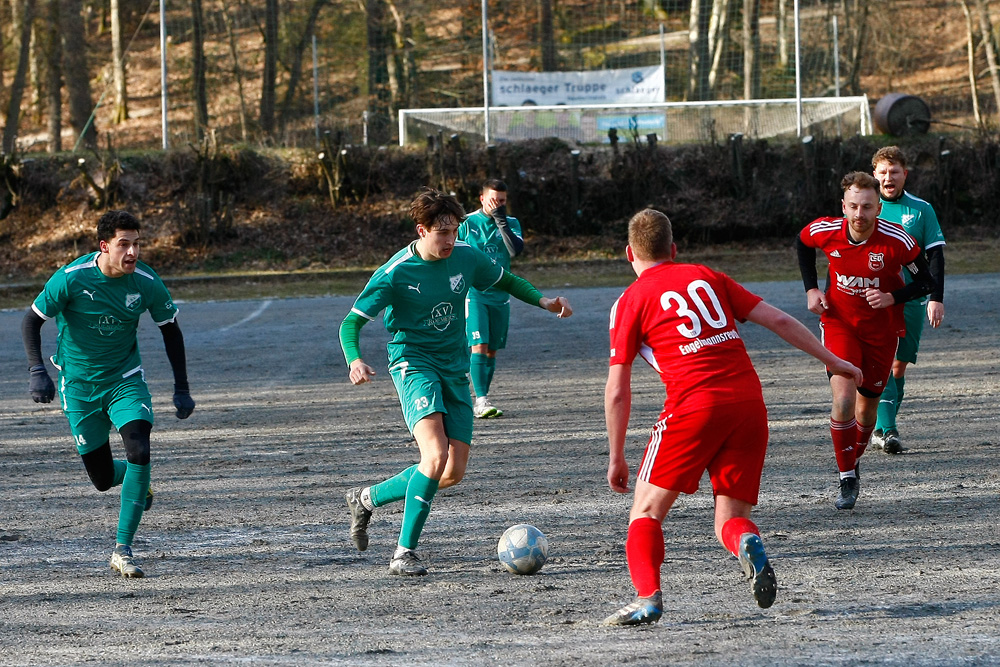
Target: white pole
{"points": [[836, 57], [486, 79], [663, 61], [163, 74], [798, 75], [315, 89]]}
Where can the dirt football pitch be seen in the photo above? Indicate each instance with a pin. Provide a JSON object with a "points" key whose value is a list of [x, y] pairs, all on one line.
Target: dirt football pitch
{"points": [[246, 548]]}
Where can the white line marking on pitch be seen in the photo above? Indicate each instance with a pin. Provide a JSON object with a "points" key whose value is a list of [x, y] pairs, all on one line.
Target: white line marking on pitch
{"points": [[255, 314]]}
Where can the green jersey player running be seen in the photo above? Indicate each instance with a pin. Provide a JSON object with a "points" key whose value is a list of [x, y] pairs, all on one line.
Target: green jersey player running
{"points": [[422, 289], [488, 311], [919, 220], [96, 301]]}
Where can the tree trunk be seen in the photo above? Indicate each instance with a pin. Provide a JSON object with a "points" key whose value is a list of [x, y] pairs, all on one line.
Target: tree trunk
{"points": [[718, 39], [378, 76], [783, 33], [267, 94], [860, 33], [53, 76], [120, 112], [295, 74], [35, 68], [698, 49], [751, 49], [550, 61], [75, 72], [971, 36], [986, 27], [237, 72], [198, 70], [399, 61], [9, 141]]}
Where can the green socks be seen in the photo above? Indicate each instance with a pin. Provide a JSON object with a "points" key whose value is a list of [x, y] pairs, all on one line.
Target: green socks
{"points": [[392, 489], [491, 366], [419, 494], [120, 467], [888, 404], [479, 371], [134, 487]]}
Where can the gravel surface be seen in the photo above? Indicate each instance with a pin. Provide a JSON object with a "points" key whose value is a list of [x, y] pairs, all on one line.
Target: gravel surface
{"points": [[247, 554]]}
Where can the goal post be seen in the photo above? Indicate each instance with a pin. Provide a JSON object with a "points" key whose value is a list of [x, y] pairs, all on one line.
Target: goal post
{"points": [[671, 122]]}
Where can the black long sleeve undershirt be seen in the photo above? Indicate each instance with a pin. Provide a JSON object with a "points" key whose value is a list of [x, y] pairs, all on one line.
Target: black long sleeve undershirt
{"points": [[935, 260], [173, 342], [31, 336]]}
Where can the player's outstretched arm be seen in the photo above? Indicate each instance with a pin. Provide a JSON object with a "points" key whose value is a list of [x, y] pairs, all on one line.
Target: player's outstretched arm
{"points": [[794, 332], [173, 342], [617, 407], [521, 289], [40, 384]]}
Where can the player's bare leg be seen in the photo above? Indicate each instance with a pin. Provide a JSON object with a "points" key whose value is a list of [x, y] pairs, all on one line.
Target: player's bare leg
{"points": [[737, 533], [644, 550]]}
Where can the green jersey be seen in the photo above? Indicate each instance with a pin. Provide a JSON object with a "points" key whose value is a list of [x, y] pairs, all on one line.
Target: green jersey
{"points": [[424, 304], [479, 231], [917, 217], [98, 318]]}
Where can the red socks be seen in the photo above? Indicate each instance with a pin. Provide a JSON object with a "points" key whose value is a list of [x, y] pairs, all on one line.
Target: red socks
{"points": [[844, 436], [864, 433], [734, 529], [644, 551]]}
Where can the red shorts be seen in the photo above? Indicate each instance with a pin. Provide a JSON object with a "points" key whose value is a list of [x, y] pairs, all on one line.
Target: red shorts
{"points": [[729, 441], [873, 355]]}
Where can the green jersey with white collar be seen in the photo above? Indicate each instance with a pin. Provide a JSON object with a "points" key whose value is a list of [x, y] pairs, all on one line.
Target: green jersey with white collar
{"points": [[424, 304], [917, 217], [98, 318]]}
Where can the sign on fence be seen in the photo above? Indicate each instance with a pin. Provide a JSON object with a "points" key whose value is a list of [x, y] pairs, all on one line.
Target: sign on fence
{"points": [[635, 85]]}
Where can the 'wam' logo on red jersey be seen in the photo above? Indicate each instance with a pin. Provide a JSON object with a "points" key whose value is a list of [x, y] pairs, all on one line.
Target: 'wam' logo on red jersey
{"points": [[856, 282]]}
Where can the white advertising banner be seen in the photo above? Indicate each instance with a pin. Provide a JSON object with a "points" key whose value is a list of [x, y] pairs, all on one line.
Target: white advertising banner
{"points": [[636, 85]]}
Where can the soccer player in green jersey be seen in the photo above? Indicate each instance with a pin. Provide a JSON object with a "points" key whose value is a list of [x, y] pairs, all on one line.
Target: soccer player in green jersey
{"points": [[422, 289], [919, 220], [96, 301], [488, 311]]}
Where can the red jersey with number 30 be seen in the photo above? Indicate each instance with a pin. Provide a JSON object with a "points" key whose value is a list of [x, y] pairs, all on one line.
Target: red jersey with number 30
{"points": [[854, 267], [681, 318]]}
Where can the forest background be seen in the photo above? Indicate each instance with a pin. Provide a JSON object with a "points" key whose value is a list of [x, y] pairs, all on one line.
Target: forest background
{"points": [[278, 165]]}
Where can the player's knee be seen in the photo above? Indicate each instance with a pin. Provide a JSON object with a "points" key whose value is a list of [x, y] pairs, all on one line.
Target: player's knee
{"points": [[135, 438], [452, 478], [100, 467]]}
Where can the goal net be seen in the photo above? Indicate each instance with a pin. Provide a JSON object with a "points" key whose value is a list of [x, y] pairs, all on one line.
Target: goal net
{"points": [[673, 122]]}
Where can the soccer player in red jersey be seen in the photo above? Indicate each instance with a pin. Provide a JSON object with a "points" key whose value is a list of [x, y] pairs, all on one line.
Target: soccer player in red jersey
{"points": [[861, 313], [681, 318]]}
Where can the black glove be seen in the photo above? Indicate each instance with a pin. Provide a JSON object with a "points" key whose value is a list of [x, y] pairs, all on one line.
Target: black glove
{"points": [[500, 215], [41, 387], [184, 403]]}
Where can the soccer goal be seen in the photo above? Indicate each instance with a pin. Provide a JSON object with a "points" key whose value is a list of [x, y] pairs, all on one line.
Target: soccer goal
{"points": [[674, 122]]}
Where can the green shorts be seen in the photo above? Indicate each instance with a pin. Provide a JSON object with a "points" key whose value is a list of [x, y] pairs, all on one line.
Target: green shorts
{"points": [[486, 324], [423, 392], [914, 312], [93, 408]]}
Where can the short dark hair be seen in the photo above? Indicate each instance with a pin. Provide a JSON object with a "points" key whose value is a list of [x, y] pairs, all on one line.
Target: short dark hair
{"points": [[650, 235], [431, 205], [112, 221], [494, 184], [890, 154], [860, 180]]}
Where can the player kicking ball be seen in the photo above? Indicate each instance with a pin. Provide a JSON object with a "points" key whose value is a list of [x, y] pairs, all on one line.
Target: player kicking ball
{"points": [[681, 318], [96, 301], [422, 289]]}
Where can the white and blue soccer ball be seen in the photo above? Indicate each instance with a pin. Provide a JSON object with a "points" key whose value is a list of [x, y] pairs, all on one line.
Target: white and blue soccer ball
{"points": [[523, 549]]}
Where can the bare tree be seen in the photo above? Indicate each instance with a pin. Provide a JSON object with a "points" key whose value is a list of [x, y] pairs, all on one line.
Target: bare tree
{"points": [[971, 37], [295, 70], [550, 61], [986, 28], [53, 76], [718, 39], [237, 72], [75, 71], [9, 142], [698, 51], [270, 75], [120, 113], [402, 64], [378, 73], [857, 20], [198, 70], [751, 49], [782, 19]]}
